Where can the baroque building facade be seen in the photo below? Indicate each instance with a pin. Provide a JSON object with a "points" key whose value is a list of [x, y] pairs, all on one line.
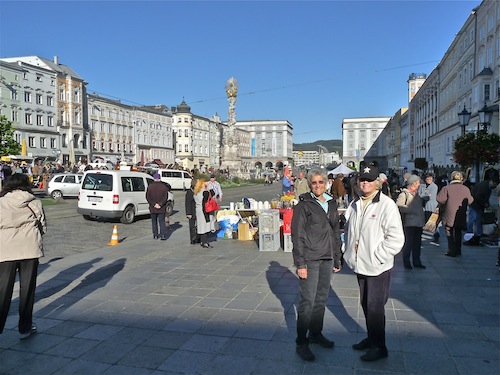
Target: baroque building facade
{"points": [[51, 97]]}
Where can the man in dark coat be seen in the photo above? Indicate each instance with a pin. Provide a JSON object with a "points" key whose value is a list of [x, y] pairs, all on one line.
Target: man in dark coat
{"points": [[157, 197], [190, 206], [481, 193]]}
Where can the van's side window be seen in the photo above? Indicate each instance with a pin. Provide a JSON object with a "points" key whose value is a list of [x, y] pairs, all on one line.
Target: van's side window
{"points": [[126, 184], [176, 174], [138, 184]]}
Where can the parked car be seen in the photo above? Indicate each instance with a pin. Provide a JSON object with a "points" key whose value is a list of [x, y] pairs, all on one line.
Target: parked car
{"points": [[116, 194], [64, 185], [178, 180]]}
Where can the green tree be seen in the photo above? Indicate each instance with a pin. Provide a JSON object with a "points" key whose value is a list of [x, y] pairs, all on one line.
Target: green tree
{"points": [[8, 146]]}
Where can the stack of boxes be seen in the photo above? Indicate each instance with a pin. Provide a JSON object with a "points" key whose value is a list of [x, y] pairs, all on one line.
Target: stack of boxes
{"points": [[269, 230]]}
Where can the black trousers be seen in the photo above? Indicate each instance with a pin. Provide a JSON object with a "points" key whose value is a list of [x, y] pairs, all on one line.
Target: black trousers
{"points": [[313, 295], [454, 236], [158, 220], [28, 269], [374, 293], [412, 245], [193, 235]]}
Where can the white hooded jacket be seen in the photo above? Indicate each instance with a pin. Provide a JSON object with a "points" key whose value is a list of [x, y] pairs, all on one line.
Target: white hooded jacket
{"points": [[20, 235], [378, 232]]}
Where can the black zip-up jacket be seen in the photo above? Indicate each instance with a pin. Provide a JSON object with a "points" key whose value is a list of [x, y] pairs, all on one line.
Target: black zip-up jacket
{"points": [[315, 234]]}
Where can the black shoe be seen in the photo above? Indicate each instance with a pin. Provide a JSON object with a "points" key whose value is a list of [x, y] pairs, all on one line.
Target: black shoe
{"points": [[362, 345], [421, 266], [321, 340], [155, 237], [30, 333], [374, 354], [448, 254], [305, 353], [206, 245], [163, 238], [408, 266]]}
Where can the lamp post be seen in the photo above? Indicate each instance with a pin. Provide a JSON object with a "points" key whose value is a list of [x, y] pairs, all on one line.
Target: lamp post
{"points": [[463, 119], [485, 116]]}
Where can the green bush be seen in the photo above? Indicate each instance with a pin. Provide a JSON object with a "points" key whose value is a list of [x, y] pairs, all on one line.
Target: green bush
{"points": [[236, 180]]}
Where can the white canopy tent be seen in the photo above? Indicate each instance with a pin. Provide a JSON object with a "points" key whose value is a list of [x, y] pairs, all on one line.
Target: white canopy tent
{"points": [[345, 170]]}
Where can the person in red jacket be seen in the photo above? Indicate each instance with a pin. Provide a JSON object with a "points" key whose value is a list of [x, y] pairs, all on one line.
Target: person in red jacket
{"points": [[157, 197]]}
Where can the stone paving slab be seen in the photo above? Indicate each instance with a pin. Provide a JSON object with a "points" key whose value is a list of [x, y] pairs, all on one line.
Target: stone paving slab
{"points": [[166, 307]]}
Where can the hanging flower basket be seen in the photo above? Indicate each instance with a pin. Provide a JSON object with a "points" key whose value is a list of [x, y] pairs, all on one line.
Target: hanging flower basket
{"points": [[477, 147]]}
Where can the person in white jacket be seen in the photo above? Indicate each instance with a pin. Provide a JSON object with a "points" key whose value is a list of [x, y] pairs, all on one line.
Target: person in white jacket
{"points": [[373, 236], [22, 224]]}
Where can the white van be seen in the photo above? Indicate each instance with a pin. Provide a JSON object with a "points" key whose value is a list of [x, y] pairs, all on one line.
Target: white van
{"points": [[178, 180], [116, 194]]}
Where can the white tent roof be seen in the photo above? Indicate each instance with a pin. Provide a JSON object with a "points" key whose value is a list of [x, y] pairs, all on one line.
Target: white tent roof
{"points": [[341, 169]]}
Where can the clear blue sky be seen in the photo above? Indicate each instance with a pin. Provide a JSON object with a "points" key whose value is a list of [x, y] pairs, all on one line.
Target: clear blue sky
{"points": [[312, 63]]}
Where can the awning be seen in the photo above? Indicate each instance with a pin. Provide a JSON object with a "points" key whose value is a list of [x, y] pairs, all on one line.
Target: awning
{"points": [[159, 162]]}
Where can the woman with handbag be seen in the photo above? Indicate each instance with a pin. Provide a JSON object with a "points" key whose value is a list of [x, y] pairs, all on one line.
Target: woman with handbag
{"points": [[22, 224], [205, 221]]}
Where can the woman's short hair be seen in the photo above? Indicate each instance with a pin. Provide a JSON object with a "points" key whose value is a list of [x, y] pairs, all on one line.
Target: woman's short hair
{"points": [[456, 176], [315, 172], [17, 181]]}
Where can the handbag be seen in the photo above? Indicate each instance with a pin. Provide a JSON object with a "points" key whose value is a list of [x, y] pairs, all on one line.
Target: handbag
{"points": [[37, 222], [211, 204], [433, 221]]}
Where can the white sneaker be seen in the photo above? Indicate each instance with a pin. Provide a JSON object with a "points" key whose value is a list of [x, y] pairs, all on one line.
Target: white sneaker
{"points": [[435, 243], [30, 333]]}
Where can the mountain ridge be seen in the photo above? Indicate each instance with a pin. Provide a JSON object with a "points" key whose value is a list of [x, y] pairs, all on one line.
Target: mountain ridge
{"points": [[332, 145]]}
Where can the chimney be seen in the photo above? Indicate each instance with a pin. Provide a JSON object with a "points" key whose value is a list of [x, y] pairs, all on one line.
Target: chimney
{"points": [[56, 60]]}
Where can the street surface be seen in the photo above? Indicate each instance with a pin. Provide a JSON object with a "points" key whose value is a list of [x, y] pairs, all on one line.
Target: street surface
{"points": [[68, 233]]}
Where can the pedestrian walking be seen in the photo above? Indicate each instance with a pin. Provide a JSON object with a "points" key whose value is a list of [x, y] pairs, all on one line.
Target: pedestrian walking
{"points": [[157, 197], [190, 206], [373, 237], [428, 193], [205, 222], [454, 199], [413, 217], [316, 252], [301, 185], [22, 225], [214, 185]]}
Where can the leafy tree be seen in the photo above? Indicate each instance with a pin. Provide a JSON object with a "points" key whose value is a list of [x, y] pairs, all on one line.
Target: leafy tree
{"points": [[8, 146], [477, 147]]}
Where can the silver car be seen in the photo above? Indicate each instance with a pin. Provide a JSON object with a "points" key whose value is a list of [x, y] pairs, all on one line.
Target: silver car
{"points": [[65, 185]]}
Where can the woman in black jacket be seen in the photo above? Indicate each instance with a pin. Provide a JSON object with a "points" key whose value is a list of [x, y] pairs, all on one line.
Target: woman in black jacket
{"points": [[190, 205], [316, 252]]}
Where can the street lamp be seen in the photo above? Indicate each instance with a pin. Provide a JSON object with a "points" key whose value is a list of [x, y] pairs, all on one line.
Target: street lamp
{"points": [[485, 116], [463, 119]]}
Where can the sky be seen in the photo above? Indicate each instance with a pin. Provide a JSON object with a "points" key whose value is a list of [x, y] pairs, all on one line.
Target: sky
{"points": [[312, 63]]}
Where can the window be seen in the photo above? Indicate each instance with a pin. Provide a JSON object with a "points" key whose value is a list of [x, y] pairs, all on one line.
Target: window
{"points": [[50, 121], [61, 93], [50, 101], [487, 92], [52, 143], [71, 179], [31, 141], [77, 96], [38, 78], [58, 179], [179, 147], [186, 133], [43, 142], [186, 148], [39, 99], [39, 119], [14, 115], [28, 118], [27, 97], [489, 56], [13, 95]]}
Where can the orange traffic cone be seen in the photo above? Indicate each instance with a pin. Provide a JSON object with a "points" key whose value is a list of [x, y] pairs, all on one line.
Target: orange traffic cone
{"points": [[114, 237]]}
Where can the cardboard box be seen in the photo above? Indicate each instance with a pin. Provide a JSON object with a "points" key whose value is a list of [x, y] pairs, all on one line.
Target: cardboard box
{"points": [[244, 232]]}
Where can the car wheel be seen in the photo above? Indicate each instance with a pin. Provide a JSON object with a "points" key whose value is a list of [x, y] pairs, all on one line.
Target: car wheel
{"points": [[128, 215], [169, 209], [87, 217], [56, 194]]}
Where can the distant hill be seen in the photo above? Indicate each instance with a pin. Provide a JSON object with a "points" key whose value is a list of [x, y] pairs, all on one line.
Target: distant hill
{"points": [[332, 145]]}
